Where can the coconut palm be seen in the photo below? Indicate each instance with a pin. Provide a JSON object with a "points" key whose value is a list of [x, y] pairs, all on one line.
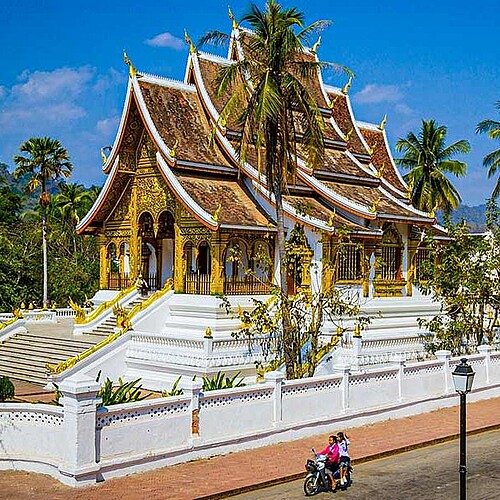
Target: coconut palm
{"points": [[71, 203], [44, 159], [429, 159], [492, 160], [271, 105]]}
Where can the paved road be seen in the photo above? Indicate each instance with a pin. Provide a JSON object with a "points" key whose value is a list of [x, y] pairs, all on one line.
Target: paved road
{"points": [[427, 473]]}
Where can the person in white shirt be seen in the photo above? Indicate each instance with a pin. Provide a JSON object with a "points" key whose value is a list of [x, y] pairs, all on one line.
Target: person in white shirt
{"points": [[345, 460]]}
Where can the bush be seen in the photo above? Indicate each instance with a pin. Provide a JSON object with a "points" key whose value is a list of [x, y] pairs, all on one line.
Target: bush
{"points": [[174, 391], [7, 389], [125, 392], [220, 381]]}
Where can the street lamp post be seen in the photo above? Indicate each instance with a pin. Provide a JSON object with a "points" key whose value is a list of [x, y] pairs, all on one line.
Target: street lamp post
{"points": [[463, 376]]}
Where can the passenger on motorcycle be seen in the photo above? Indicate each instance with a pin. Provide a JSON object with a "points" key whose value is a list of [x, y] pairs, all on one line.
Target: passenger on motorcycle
{"points": [[345, 459], [333, 458]]}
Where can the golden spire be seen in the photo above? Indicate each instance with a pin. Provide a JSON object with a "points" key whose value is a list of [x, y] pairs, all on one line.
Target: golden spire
{"points": [[316, 45], [371, 149], [233, 19], [374, 206], [173, 149], [382, 123], [131, 69], [347, 86], [348, 135], [216, 214], [192, 48]]}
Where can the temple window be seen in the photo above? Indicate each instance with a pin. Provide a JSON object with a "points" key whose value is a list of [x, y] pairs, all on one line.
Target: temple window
{"points": [[146, 225], [236, 260], [348, 265], [422, 259], [198, 268], [390, 265]]}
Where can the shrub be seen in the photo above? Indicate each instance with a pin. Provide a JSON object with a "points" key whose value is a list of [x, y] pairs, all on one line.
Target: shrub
{"points": [[7, 389], [174, 391], [125, 392], [220, 381]]}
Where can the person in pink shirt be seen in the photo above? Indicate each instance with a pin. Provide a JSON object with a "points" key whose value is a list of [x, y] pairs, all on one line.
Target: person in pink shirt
{"points": [[333, 457]]}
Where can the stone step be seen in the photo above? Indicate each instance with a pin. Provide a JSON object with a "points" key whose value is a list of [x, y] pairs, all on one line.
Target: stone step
{"points": [[57, 341], [37, 353], [33, 345], [25, 374]]}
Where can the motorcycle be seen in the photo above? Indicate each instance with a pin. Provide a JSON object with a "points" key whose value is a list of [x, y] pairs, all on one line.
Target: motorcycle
{"points": [[318, 480]]}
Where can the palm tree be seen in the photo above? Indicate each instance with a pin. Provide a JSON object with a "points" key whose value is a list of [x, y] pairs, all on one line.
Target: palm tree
{"points": [[45, 159], [428, 159], [492, 160], [71, 203], [273, 108]]}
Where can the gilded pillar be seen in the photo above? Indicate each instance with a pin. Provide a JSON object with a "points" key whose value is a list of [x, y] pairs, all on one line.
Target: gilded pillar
{"points": [[103, 262], [179, 260], [219, 243], [135, 243], [327, 268]]}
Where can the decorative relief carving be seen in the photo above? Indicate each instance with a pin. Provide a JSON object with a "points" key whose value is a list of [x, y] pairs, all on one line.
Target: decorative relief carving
{"points": [[127, 160], [147, 149], [196, 235], [133, 128], [154, 196], [117, 234], [122, 211]]}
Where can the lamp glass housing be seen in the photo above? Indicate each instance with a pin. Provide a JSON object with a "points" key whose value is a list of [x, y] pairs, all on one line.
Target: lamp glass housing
{"points": [[463, 377]]}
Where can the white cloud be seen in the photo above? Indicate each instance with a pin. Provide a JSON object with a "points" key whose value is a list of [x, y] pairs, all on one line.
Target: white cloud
{"points": [[374, 93], [3, 92], [108, 126], [165, 40], [113, 78], [404, 109]]}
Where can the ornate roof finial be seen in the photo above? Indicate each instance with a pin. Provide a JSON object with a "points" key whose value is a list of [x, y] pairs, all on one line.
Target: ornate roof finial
{"points": [[348, 135], [103, 154], [347, 86], [316, 45], [131, 69], [192, 48], [333, 101], [173, 149], [233, 19], [216, 214], [382, 123], [371, 149], [380, 171], [374, 206], [330, 220]]}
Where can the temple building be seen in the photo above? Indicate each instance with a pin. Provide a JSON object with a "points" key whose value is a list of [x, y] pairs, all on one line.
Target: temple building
{"points": [[178, 204]]}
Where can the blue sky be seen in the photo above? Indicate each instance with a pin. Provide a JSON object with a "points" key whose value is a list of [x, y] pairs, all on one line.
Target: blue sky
{"points": [[62, 71]]}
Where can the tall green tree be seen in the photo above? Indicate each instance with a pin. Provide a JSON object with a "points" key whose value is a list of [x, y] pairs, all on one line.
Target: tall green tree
{"points": [[492, 160], [44, 159], [429, 159], [272, 107]]}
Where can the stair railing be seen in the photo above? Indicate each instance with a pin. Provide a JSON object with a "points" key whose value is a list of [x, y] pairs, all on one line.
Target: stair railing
{"points": [[82, 318], [125, 325]]}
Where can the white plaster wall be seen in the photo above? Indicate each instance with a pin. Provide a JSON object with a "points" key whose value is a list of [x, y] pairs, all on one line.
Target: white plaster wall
{"points": [[146, 427], [240, 412], [373, 389], [319, 397]]}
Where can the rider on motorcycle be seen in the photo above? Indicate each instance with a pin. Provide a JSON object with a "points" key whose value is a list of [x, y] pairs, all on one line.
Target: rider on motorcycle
{"points": [[333, 457]]}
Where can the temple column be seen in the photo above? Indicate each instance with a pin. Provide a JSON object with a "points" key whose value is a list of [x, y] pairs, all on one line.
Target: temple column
{"points": [[327, 268], [179, 260], [217, 248], [103, 262]]}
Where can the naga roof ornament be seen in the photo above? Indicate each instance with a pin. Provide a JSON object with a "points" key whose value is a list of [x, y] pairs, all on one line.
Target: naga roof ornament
{"points": [[188, 40], [315, 47], [382, 123], [233, 19], [347, 86], [131, 68]]}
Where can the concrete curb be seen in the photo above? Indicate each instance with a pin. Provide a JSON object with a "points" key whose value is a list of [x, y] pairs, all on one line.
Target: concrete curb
{"points": [[368, 458]]}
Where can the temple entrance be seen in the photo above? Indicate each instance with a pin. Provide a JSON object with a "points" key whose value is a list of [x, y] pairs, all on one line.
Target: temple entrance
{"points": [[198, 268], [166, 240]]}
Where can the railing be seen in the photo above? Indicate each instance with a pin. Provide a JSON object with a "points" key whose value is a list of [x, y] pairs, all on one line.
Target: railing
{"points": [[117, 281], [197, 283], [246, 285]]}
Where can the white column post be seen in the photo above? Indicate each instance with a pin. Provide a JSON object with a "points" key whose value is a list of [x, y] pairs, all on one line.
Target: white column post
{"points": [[194, 389], [80, 408], [401, 371], [208, 346], [357, 347], [345, 369], [485, 350], [444, 357], [276, 378]]}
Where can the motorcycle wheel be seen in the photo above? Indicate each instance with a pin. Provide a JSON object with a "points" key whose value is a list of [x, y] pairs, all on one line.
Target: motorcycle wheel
{"points": [[311, 485]]}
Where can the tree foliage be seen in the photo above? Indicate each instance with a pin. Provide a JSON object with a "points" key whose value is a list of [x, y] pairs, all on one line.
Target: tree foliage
{"points": [[73, 260], [492, 160], [464, 276], [429, 159], [270, 103]]}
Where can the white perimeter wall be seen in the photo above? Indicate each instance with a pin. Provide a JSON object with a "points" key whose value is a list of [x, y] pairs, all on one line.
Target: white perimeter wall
{"points": [[80, 444]]}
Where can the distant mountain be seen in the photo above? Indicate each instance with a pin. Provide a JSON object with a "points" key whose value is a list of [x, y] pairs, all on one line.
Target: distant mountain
{"points": [[474, 216]]}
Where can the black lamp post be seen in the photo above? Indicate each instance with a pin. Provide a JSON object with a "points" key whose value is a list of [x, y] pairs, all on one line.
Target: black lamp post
{"points": [[463, 376]]}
